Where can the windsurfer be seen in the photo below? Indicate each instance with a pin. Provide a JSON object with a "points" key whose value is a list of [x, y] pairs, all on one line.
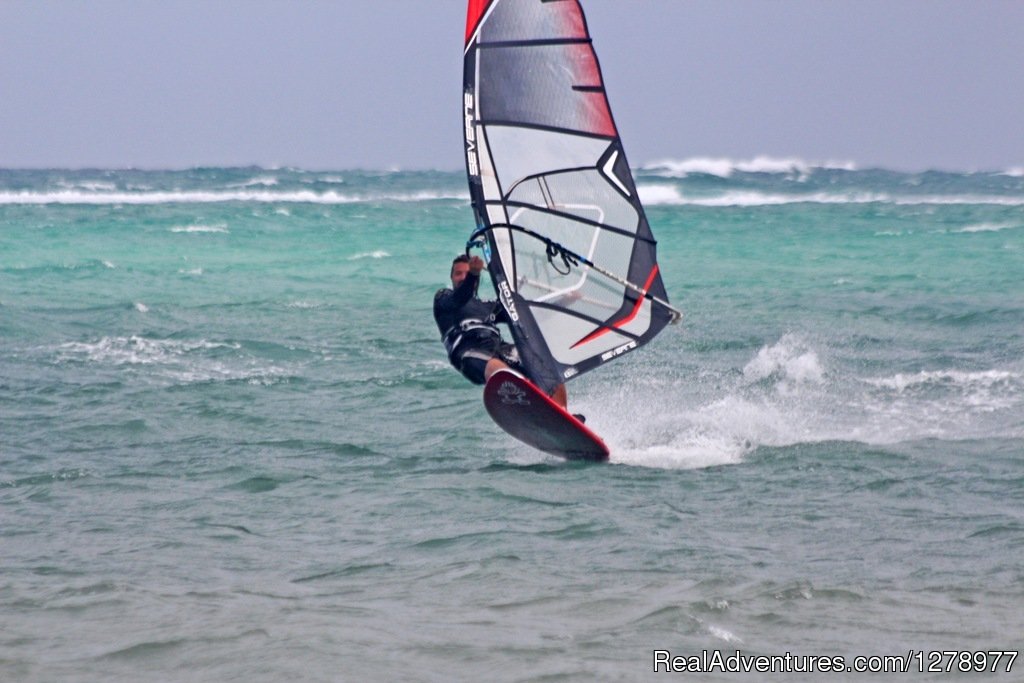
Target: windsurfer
{"points": [[469, 329]]}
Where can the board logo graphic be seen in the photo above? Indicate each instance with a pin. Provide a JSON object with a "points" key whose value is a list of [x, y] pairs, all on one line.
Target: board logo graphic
{"points": [[511, 395]]}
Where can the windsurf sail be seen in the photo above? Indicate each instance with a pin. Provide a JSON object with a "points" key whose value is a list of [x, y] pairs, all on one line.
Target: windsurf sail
{"points": [[567, 243]]}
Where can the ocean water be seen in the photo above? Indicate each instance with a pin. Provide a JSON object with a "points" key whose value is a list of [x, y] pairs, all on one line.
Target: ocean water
{"points": [[231, 447]]}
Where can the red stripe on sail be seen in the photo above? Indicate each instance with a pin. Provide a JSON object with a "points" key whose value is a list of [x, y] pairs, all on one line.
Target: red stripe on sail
{"points": [[474, 13], [596, 113], [625, 321]]}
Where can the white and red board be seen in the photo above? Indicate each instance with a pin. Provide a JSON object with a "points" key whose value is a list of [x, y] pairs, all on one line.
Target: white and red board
{"points": [[529, 415]]}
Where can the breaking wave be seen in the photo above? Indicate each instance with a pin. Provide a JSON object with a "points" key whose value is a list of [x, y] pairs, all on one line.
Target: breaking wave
{"points": [[726, 168], [670, 195], [220, 227], [376, 254], [209, 197]]}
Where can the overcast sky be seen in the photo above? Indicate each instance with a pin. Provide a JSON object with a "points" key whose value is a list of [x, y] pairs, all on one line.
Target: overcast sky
{"points": [[905, 84]]}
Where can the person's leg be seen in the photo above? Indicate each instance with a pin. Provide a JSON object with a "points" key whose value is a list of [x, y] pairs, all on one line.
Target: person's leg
{"points": [[559, 396], [493, 365]]}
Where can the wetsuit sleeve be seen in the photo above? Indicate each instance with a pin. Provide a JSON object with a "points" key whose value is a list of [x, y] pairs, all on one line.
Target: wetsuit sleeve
{"points": [[465, 291], [447, 302]]}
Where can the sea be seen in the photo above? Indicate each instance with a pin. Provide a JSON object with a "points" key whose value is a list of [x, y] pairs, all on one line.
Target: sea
{"points": [[232, 448]]}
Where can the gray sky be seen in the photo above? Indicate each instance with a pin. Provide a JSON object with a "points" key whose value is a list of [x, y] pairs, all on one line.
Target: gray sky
{"points": [[906, 84]]}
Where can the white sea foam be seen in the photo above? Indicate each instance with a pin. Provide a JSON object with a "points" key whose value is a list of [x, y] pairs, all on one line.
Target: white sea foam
{"points": [[655, 194], [785, 396], [790, 360], [652, 193], [984, 379], [262, 181], [959, 200], [757, 408], [1016, 172], [171, 360], [725, 167], [723, 634], [207, 197], [692, 449], [141, 307], [378, 254], [91, 185], [941, 404], [219, 227], [108, 264], [134, 350], [987, 227], [677, 437]]}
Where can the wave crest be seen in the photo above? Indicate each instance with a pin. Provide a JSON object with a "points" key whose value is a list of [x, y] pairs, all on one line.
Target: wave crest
{"points": [[670, 195], [217, 196], [724, 167]]}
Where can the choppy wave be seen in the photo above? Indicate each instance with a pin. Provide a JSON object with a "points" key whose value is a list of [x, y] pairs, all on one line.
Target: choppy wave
{"points": [[986, 379], [988, 227], [179, 361], [708, 182], [134, 349], [214, 196], [261, 181], [306, 305], [725, 168], [670, 195], [88, 185], [219, 227]]}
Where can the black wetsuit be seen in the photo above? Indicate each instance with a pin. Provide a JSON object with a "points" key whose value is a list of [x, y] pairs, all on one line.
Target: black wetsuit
{"points": [[468, 329]]}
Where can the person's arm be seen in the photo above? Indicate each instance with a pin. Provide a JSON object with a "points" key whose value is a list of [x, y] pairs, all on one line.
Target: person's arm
{"points": [[460, 296], [467, 288], [447, 302]]}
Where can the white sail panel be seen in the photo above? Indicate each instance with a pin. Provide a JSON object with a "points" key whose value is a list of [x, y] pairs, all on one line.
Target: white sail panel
{"points": [[547, 150]]}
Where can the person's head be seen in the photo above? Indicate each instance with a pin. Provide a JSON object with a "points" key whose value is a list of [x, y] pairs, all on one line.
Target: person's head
{"points": [[460, 268]]}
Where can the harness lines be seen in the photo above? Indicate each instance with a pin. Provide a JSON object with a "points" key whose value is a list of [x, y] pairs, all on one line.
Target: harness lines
{"points": [[456, 334]]}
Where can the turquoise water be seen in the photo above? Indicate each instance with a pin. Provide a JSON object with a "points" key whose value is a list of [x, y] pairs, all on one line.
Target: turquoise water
{"points": [[231, 446]]}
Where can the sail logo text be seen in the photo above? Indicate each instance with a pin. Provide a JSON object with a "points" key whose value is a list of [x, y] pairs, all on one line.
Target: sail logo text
{"points": [[618, 350], [505, 294], [471, 155]]}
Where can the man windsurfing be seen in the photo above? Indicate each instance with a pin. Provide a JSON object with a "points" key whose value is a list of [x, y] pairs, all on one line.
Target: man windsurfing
{"points": [[469, 331]]}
